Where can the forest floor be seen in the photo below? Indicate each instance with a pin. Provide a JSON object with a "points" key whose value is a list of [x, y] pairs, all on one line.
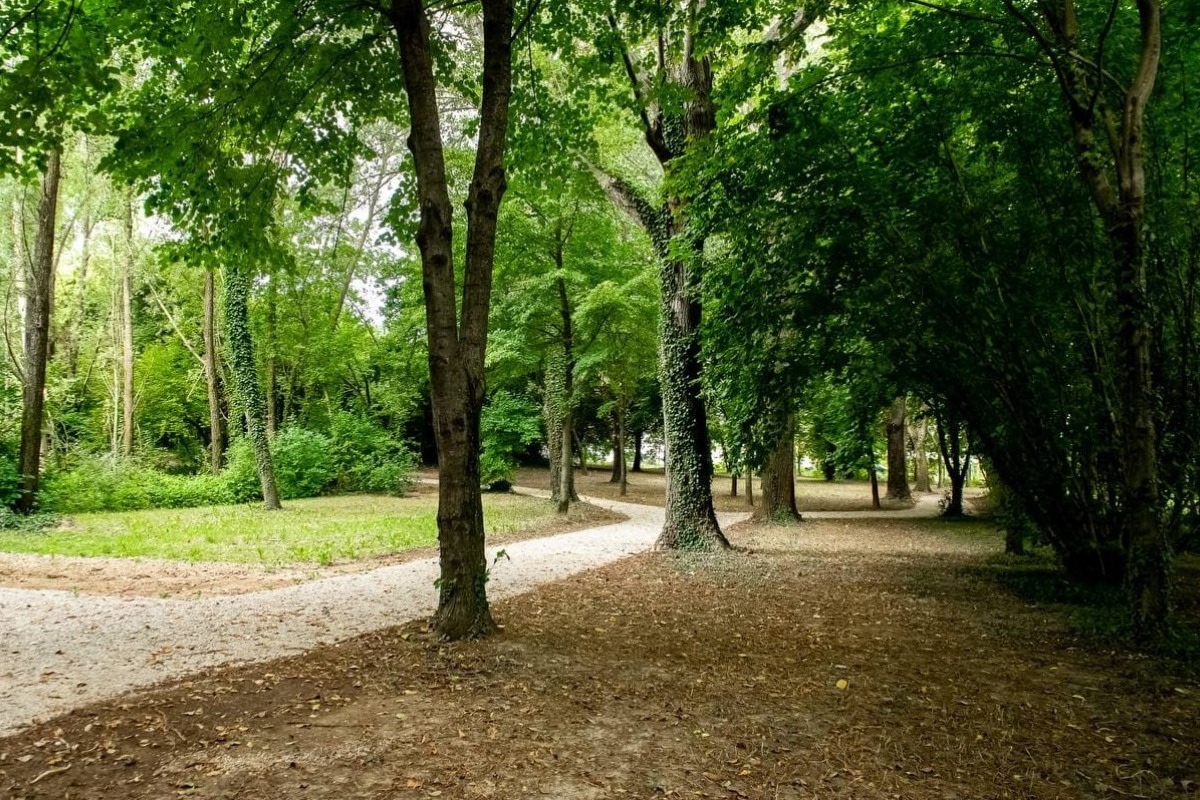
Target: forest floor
{"points": [[845, 658], [650, 488]]}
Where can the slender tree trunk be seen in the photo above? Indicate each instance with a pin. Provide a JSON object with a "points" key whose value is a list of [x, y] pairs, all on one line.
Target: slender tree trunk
{"points": [[779, 479], [750, 487], [637, 452], [271, 379], [245, 380], [873, 473], [957, 462], [37, 337], [566, 485], [127, 402], [580, 450], [211, 374], [552, 408], [920, 437], [615, 476], [733, 479], [897, 478], [621, 450], [456, 349]]}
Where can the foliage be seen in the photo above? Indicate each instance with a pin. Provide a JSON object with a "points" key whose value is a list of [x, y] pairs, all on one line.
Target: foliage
{"points": [[102, 484], [509, 424], [304, 463]]}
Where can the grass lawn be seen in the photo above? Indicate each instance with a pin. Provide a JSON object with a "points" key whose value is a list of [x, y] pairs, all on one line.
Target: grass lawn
{"points": [[316, 531]]}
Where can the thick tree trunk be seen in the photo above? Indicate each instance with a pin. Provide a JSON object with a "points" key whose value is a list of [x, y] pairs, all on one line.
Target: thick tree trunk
{"points": [[216, 428], [920, 436], [37, 336], [127, 402], [456, 350], [637, 452], [245, 380], [897, 478], [779, 479]]}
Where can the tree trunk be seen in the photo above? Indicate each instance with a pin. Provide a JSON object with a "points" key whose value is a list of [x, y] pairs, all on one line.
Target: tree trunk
{"points": [[779, 479], [127, 335], [920, 437], [566, 483], [211, 379], [245, 380], [637, 452], [733, 479], [456, 349], [749, 487], [580, 451], [621, 450], [272, 380], [37, 336], [957, 462], [552, 413], [615, 476], [897, 478]]}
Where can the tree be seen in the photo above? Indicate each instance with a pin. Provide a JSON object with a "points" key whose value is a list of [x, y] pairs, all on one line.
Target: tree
{"points": [[897, 479], [37, 335], [456, 349]]}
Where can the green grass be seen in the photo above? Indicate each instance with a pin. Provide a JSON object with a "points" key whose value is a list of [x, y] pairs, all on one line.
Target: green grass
{"points": [[317, 531]]}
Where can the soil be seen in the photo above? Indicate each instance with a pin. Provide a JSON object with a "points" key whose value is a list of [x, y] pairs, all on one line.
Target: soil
{"points": [[838, 658], [142, 577], [650, 488]]}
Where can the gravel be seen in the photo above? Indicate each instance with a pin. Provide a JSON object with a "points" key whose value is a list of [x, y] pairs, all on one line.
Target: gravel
{"points": [[62, 651]]}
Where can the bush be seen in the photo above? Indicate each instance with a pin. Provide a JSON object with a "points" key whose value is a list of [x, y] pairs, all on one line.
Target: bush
{"points": [[509, 424], [304, 465], [101, 484], [367, 458], [10, 481]]}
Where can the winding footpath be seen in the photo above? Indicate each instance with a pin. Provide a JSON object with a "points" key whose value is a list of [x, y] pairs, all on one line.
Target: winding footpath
{"points": [[62, 651]]}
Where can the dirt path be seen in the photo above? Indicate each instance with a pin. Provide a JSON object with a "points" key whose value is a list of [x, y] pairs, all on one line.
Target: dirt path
{"points": [[62, 650]]}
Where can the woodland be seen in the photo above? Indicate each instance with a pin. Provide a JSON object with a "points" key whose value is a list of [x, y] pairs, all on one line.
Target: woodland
{"points": [[263, 250]]}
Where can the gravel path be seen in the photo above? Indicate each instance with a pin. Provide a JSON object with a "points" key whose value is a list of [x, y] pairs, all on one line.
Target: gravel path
{"points": [[62, 651]]}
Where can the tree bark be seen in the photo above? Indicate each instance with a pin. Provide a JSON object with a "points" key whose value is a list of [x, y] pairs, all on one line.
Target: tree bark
{"points": [[211, 374], [749, 482], [127, 403], [552, 413], [245, 380], [779, 479], [624, 481], [272, 380], [456, 350], [733, 479], [920, 436], [617, 454], [897, 478], [637, 452], [37, 336], [956, 461]]}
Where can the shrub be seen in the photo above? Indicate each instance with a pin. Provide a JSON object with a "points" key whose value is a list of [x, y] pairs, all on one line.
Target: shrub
{"points": [[10, 481], [241, 472], [509, 424], [101, 484], [304, 463], [367, 458]]}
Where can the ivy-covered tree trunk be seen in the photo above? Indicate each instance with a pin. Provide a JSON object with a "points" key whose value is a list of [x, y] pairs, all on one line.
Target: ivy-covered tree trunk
{"points": [[216, 427], [779, 479], [457, 344], [552, 395], [127, 400], [920, 436], [38, 305], [897, 478], [245, 379]]}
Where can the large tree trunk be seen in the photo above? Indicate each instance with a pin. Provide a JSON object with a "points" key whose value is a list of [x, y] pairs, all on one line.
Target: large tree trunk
{"points": [[211, 374], [127, 402], [897, 478], [37, 336], [456, 350], [779, 479], [920, 436], [245, 380]]}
